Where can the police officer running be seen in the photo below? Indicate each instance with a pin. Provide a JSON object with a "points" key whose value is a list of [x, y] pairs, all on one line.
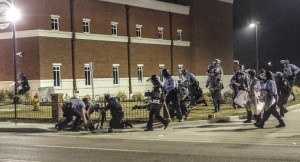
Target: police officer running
{"points": [[284, 92], [117, 113], [254, 85], [268, 96], [290, 72], [155, 104], [185, 101], [170, 87], [215, 85], [239, 82], [193, 86], [25, 87]]}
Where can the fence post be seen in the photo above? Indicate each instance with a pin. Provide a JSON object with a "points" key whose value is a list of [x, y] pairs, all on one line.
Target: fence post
{"points": [[56, 101]]}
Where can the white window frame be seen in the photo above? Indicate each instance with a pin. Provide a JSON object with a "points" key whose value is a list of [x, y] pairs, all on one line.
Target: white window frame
{"points": [[56, 69], [55, 20], [138, 31], [114, 28], [88, 74], [161, 67], [86, 25], [160, 32], [140, 73], [116, 74], [179, 35]]}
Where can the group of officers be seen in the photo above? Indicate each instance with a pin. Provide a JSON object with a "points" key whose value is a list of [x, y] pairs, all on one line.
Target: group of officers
{"points": [[270, 89], [177, 97]]}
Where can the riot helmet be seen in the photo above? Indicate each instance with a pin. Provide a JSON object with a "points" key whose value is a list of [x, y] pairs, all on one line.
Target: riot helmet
{"points": [[165, 73], [284, 61], [216, 62], [184, 72], [153, 79], [107, 97], [85, 100], [252, 73], [242, 68], [279, 75], [269, 75], [262, 71]]}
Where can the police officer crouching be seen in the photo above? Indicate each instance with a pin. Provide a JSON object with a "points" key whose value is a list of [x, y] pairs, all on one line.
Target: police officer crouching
{"points": [[75, 107], [155, 104], [117, 113]]}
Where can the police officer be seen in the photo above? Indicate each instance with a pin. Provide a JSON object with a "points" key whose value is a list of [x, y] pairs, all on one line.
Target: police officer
{"points": [[283, 90], [156, 103], [92, 107], [270, 107], [239, 82], [193, 86], [253, 86], [117, 113], [185, 101], [25, 87], [290, 72], [170, 87], [216, 65], [215, 85], [75, 107]]}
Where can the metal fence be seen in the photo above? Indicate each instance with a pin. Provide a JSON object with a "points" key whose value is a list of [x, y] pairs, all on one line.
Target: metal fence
{"points": [[26, 110]]}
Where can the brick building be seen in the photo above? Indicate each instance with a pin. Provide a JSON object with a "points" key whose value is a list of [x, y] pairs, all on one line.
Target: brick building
{"points": [[126, 41]]}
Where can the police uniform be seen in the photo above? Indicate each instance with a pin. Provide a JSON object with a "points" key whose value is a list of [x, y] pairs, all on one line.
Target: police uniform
{"points": [[238, 82], [271, 91], [284, 91], [290, 72], [170, 86], [215, 86], [156, 102], [254, 84], [185, 101], [75, 109], [116, 112], [193, 87]]}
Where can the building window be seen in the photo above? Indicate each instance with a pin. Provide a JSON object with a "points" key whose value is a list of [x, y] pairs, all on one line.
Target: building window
{"points": [[57, 75], [55, 22], [160, 33], [114, 28], [86, 25], [139, 31], [116, 73], [87, 74], [140, 73], [179, 34], [161, 67]]}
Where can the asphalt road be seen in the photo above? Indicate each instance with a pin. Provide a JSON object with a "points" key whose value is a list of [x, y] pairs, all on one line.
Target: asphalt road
{"points": [[233, 141], [18, 147]]}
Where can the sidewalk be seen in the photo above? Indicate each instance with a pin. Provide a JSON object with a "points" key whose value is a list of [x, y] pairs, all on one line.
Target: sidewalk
{"points": [[11, 126]]}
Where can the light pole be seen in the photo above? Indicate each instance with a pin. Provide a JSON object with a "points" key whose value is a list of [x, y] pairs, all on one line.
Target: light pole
{"points": [[13, 15], [252, 25]]}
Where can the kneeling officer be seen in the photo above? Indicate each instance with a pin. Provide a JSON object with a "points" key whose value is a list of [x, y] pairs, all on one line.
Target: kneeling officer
{"points": [[75, 107]]}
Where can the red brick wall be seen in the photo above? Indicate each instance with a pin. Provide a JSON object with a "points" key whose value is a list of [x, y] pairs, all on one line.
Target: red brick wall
{"points": [[211, 35]]}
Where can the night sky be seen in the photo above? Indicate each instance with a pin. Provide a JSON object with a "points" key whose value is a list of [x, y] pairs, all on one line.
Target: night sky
{"points": [[278, 32]]}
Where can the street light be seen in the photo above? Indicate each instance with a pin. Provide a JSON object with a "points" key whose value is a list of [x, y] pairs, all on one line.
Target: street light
{"points": [[13, 15], [252, 25]]}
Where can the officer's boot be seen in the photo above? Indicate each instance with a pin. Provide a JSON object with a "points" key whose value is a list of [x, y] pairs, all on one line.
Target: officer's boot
{"points": [[281, 124]]}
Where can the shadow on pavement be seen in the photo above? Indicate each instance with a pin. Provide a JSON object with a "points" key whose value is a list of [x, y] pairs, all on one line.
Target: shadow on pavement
{"points": [[24, 130]]}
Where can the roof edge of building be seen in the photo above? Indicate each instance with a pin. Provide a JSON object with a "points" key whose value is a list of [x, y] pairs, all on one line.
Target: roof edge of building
{"points": [[155, 5]]}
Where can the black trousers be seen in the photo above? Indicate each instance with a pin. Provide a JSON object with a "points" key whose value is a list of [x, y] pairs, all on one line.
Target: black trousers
{"points": [[155, 113], [256, 117], [117, 120], [69, 113], [172, 97], [281, 102], [272, 111]]}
